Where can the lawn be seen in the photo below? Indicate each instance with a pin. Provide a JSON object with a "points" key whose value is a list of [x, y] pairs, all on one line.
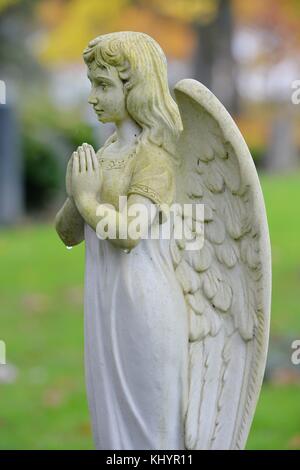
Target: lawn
{"points": [[41, 322]]}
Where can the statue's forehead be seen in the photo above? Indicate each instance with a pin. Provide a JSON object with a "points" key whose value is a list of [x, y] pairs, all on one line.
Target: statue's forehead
{"points": [[97, 70]]}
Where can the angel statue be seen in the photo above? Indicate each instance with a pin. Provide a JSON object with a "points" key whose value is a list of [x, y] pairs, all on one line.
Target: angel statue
{"points": [[175, 338]]}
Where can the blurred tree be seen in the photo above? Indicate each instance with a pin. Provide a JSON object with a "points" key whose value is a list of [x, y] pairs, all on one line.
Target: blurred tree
{"points": [[215, 66], [6, 3], [11, 188], [17, 28], [282, 154], [212, 23], [279, 24], [282, 16], [17, 65]]}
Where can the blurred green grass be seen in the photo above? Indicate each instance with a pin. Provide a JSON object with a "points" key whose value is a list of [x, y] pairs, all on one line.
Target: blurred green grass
{"points": [[41, 313], [42, 325]]}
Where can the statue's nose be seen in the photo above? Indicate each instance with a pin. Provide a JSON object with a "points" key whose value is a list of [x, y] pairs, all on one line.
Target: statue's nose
{"points": [[92, 99]]}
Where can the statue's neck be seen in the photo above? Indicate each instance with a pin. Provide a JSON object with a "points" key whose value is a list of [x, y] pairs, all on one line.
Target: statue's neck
{"points": [[127, 131]]}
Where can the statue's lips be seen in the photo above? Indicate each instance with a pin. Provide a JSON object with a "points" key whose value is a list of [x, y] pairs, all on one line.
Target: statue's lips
{"points": [[98, 110]]}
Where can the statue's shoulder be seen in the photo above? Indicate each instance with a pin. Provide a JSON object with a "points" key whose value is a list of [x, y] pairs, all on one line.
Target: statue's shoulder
{"points": [[153, 174], [154, 157]]}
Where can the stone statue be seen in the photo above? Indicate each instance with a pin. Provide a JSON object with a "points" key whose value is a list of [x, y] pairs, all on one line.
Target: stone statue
{"points": [[176, 331]]}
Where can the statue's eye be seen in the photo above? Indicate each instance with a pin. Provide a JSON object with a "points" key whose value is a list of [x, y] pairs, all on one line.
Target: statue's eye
{"points": [[103, 86]]}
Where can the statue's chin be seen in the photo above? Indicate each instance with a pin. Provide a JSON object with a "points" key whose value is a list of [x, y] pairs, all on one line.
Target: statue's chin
{"points": [[103, 119]]}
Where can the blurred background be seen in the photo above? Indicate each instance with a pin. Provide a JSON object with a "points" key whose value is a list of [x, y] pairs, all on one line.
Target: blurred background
{"points": [[247, 53]]}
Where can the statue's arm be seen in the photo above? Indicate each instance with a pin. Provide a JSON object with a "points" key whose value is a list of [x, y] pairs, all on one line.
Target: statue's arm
{"points": [[69, 224]]}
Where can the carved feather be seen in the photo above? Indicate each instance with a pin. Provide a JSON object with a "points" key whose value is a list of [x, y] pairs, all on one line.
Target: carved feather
{"points": [[226, 283]]}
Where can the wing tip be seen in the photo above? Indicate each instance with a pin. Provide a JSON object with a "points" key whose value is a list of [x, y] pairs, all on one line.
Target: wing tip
{"points": [[193, 88]]}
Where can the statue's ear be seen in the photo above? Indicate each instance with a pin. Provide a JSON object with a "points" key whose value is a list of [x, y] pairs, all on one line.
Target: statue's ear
{"points": [[127, 87], [124, 71]]}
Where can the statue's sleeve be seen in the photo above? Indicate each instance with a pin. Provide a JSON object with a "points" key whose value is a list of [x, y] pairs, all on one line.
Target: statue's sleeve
{"points": [[153, 176]]}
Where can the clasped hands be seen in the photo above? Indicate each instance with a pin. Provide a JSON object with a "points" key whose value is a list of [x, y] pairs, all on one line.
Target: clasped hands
{"points": [[84, 176]]}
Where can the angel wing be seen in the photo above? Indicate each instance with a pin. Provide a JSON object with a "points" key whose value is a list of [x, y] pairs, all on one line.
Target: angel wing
{"points": [[226, 283]]}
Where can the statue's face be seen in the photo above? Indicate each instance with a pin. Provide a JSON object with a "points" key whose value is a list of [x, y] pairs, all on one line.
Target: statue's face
{"points": [[107, 94]]}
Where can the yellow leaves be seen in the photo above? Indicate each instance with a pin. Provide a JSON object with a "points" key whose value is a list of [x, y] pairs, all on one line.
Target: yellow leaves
{"points": [[202, 11], [7, 3], [74, 24], [51, 12], [176, 38]]}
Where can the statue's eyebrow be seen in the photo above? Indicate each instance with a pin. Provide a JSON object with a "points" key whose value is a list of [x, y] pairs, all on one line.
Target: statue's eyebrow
{"points": [[101, 78]]}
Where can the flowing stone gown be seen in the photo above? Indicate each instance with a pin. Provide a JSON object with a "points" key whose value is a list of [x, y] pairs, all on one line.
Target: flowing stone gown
{"points": [[136, 331]]}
